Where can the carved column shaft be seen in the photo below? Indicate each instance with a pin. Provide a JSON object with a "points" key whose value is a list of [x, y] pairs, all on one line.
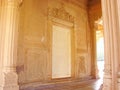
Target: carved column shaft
{"points": [[9, 28], [111, 29], [118, 4]]}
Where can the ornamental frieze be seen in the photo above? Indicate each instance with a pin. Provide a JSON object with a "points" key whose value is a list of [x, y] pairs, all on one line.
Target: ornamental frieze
{"points": [[60, 13]]}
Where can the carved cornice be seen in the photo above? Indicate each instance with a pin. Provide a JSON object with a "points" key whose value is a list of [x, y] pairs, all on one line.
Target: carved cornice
{"points": [[60, 13]]}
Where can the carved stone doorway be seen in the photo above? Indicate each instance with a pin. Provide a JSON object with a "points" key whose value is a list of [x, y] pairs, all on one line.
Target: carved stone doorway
{"points": [[61, 52]]}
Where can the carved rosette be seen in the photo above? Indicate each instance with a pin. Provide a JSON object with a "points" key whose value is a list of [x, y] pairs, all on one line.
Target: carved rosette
{"points": [[60, 13]]}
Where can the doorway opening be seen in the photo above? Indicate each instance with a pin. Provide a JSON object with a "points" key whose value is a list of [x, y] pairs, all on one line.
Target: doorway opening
{"points": [[100, 48], [61, 52]]}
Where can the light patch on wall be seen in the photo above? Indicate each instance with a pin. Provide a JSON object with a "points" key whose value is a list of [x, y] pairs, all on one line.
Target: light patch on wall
{"points": [[42, 39]]}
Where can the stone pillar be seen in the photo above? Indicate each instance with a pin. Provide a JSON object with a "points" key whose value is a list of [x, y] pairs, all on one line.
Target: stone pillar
{"points": [[118, 4], [94, 15], [111, 30], [8, 29]]}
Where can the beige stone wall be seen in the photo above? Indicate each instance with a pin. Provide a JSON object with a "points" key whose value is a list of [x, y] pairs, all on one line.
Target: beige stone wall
{"points": [[34, 41], [33, 50]]}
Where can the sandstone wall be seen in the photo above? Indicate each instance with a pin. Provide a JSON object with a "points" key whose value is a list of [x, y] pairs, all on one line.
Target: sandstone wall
{"points": [[34, 58]]}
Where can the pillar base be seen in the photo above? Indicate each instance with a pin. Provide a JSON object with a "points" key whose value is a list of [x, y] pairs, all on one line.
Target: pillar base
{"points": [[9, 81], [118, 83], [107, 83]]}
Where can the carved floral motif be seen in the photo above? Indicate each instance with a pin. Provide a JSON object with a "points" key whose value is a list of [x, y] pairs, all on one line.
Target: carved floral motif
{"points": [[60, 13], [82, 68], [108, 71]]}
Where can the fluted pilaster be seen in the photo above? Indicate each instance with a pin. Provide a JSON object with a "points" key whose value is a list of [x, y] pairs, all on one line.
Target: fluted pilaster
{"points": [[8, 49], [111, 36], [118, 4]]}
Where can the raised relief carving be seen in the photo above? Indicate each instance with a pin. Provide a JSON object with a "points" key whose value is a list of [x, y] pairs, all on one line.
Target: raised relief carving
{"points": [[36, 65], [81, 63], [60, 13], [107, 69]]}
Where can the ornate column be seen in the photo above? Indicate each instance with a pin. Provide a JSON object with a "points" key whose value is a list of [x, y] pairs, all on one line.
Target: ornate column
{"points": [[111, 30], [8, 29]]}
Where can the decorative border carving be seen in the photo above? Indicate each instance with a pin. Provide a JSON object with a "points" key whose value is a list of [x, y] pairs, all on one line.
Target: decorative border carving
{"points": [[60, 13]]}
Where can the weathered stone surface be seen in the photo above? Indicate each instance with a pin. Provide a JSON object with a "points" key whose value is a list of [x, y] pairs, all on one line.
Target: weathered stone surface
{"points": [[34, 45]]}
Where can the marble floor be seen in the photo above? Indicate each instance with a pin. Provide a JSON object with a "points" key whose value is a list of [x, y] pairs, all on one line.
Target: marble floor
{"points": [[75, 85], [89, 85]]}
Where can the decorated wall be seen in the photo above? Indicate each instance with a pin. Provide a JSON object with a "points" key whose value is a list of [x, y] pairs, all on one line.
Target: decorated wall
{"points": [[34, 44]]}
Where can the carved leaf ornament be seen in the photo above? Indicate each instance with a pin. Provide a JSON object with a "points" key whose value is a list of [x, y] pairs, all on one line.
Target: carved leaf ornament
{"points": [[60, 13]]}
